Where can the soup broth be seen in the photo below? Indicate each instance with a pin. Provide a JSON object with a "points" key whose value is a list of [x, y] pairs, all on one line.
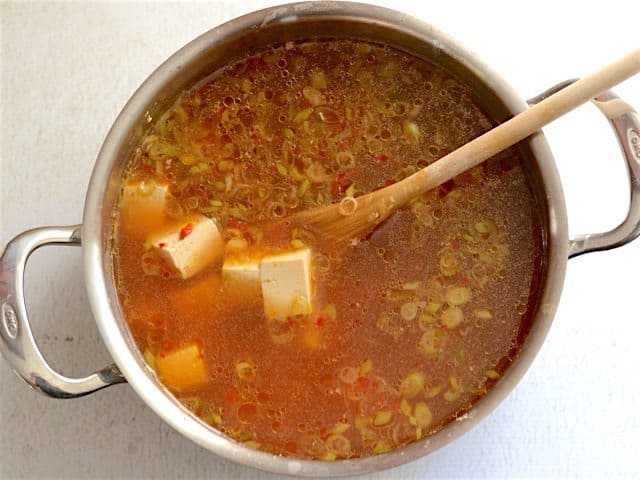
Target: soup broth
{"points": [[280, 340]]}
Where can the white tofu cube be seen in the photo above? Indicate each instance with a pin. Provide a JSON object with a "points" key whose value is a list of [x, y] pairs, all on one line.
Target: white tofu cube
{"points": [[286, 284], [144, 205], [147, 194], [242, 274], [191, 246]]}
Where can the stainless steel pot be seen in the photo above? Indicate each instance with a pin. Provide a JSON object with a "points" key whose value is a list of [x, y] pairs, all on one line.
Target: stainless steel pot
{"points": [[183, 69]]}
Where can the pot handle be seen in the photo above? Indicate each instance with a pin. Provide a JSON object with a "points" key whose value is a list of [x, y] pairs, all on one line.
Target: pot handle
{"points": [[16, 340], [626, 125]]}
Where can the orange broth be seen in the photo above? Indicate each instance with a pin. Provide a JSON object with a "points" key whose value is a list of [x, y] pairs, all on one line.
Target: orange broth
{"points": [[409, 327]]}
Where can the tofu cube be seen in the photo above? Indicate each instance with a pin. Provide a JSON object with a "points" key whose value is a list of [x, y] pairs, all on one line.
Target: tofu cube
{"points": [[241, 274], [190, 246], [182, 369], [143, 206], [286, 284], [149, 194]]}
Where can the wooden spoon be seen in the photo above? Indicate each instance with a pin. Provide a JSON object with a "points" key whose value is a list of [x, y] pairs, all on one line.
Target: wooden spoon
{"points": [[354, 218]]}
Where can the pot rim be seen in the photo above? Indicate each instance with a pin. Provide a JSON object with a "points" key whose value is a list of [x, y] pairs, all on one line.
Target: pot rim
{"points": [[98, 276]]}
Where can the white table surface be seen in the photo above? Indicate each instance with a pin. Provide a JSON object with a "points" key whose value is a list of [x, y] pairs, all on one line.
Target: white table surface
{"points": [[68, 68]]}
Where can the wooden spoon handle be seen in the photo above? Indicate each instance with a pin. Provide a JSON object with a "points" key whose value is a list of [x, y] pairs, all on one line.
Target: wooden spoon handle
{"points": [[518, 127]]}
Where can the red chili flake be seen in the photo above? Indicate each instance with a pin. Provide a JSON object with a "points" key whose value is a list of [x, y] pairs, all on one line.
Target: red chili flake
{"points": [[358, 322], [382, 158], [335, 188], [455, 245], [255, 138], [340, 183], [388, 182], [322, 154], [320, 321], [186, 231], [162, 245], [343, 125], [234, 222], [463, 279], [362, 383]]}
